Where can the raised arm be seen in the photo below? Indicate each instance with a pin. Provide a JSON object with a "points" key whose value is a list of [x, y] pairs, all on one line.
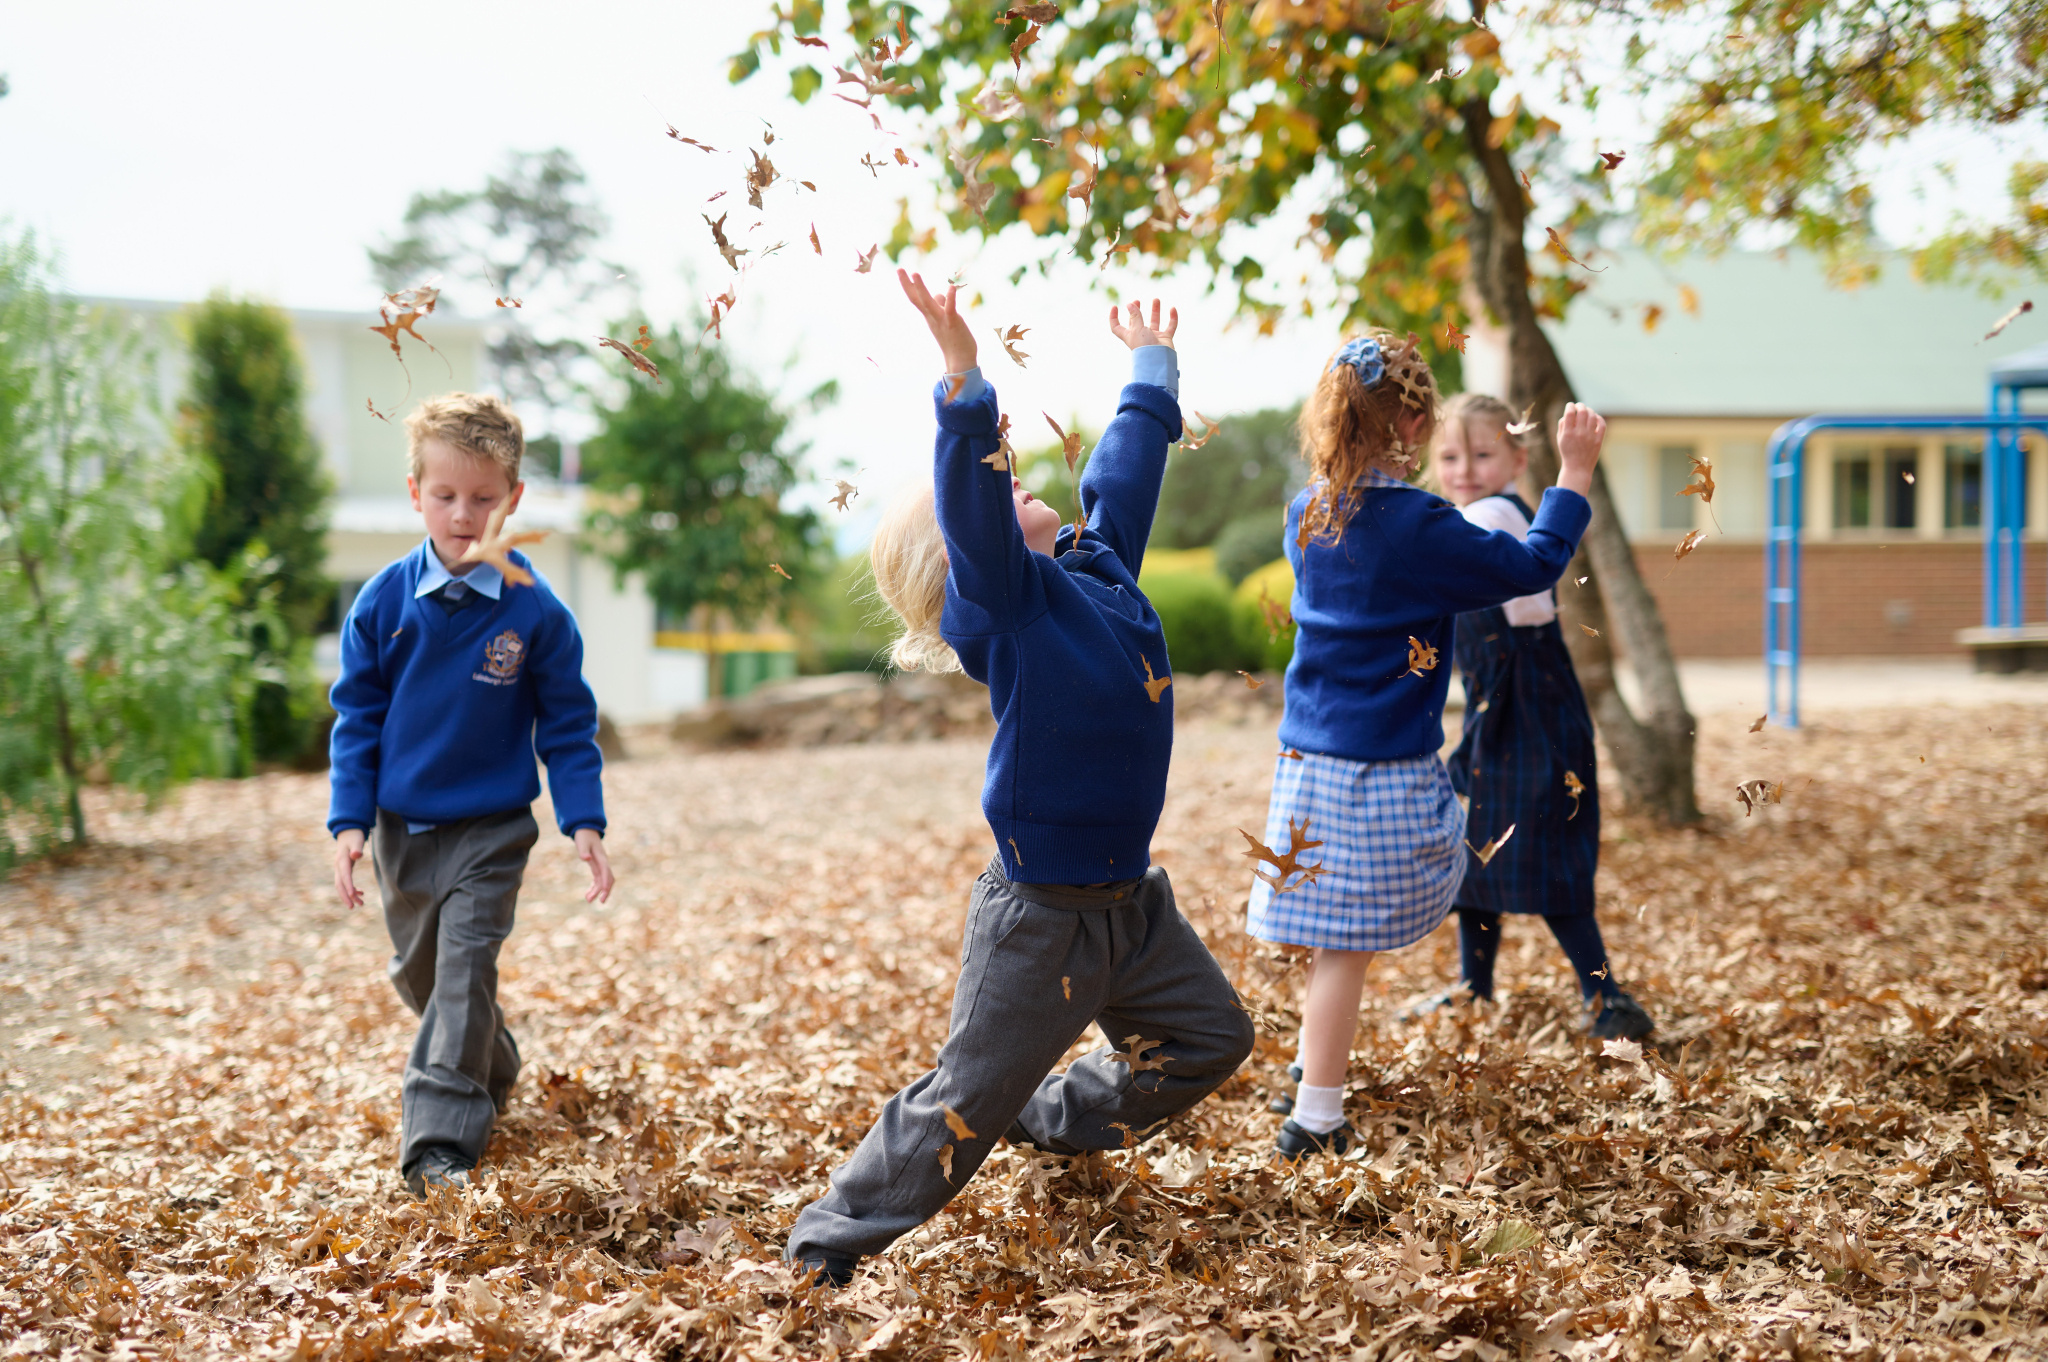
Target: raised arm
{"points": [[1120, 486], [1468, 567]]}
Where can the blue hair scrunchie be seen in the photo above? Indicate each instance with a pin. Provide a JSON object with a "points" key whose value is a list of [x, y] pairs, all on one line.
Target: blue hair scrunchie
{"points": [[1363, 355]]}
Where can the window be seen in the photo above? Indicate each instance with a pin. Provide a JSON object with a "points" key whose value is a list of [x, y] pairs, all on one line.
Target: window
{"points": [[1877, 491], [1674, 474], [1852, 490], [1962, 497], [1901, 488]]}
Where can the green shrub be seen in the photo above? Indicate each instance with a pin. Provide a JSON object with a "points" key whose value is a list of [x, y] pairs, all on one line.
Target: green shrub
{"points": [[1249, 542], [1202, 630], [1256, 638]]}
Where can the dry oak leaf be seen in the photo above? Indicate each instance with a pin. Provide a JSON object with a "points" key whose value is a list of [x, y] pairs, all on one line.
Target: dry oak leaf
{"points": [[1702, 485], [846, 491], [509, 302], [689, 141], [1288, 862], [1574, 787], [1610, 160], [759, 176], [640, 361], [998, 105], [1083, 189], [412, 304], [1453, 336], [1527, 423], [1421, 657], [1209, 429], [1155, 686], [1070, 445], [867, 260], [816, 245], [1486, 852], [1564, 252], [1278, 617], [1170, 212], [871, 81], [1250, 682], [1010, 337], [955, 1124], [731, 252], [1133, 1054], [945, 1153], [1758, 726], [1689, 543], [1020, 44], [495, 547], [1003, 456], [2008, 319], [694, 1243], [1754, 794], [810, 40], [784, 575], [975, 192]]}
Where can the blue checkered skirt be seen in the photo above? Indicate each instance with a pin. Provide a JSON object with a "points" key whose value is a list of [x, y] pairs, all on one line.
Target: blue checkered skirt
{"points": [[1392, 852]]}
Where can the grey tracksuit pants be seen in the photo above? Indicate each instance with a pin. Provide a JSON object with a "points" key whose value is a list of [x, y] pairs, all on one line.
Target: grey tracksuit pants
{"points": [[1039, 963], [448, 899]]}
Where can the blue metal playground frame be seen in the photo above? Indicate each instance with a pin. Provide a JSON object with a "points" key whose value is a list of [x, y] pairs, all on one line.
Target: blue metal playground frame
{"points": [[2003, 517]]}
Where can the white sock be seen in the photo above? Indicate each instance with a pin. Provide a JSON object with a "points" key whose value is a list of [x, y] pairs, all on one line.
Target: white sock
{"points": [[1318, 1110]]}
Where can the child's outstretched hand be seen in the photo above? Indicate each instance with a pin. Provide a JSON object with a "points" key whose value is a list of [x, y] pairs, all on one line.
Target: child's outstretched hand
{"points": [[1580, 433], [942, 315], [590, 846], [348, 849], [1140, 333]]}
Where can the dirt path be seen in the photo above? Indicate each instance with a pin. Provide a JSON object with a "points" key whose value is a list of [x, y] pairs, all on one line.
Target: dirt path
{"points": [[1836, 1146]]}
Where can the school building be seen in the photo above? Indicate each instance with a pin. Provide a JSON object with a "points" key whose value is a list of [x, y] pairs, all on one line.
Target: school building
{"points": [[639, 671], [1894, 556]]}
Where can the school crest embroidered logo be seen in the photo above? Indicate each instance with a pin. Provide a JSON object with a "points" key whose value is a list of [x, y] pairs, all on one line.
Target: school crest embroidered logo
{"points": [[503, 657]]}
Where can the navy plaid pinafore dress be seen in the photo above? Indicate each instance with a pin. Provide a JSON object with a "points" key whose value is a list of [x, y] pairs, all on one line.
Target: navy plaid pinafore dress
{"points": [[1526, 727]]}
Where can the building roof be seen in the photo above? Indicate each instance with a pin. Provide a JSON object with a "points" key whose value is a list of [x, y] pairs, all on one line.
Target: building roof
{"points": [[1773, 338], [2027, 369]]}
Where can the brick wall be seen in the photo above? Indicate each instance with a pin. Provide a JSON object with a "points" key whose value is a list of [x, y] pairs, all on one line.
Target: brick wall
{"points": [[1857, 599]]}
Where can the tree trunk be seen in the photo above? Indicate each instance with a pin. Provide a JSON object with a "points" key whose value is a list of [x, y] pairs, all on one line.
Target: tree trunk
{"points": [[1653, 754]]}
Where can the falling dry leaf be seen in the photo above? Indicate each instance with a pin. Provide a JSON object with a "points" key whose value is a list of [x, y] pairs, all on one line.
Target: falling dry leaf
{"points": [[1702, 485], [998, 105], [945, 1153], [1070, 445], [1611, 160], [1003, 456], [1588, 629], [1009, 338], [1034, 14], [1758, 726], [955, 1124], [1574, 787], [1155, 686], [508, 302], [1292, 754], [1689, 543], [1526, 424], [1020, 44], [1754, 794], [412, 304], [689, 141], [1066, 984], [1421, 657], [495, 547], [1080, 187], [1279, 619], [1486, 853], [955, 383], [866, 259], [1564, 252], [759, 176], [816, 245], [372, 407], [731, 252], [2009, 318], [1133, 1054], [846, 491], [975, 192], [779, 572], [1251, 682], [1454, 337], [1170, 213], [1285, 863], [1209, 429], [640, 361]]}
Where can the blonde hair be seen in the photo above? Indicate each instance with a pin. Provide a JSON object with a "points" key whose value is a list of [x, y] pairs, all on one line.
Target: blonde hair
{"points": [[908, 558], [477, 424], [1349, 427], [1468, 407]]}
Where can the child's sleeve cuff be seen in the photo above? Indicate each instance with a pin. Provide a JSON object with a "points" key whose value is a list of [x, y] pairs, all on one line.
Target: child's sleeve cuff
{"points": [[1157, 365], [971, 386]]}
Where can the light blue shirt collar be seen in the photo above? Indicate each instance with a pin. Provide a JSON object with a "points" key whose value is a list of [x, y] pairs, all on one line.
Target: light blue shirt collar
{"points": [[482, 578]]}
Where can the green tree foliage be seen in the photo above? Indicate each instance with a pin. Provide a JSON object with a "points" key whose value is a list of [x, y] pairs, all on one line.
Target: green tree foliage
{"points": [[691, 472], [266, 508], [1383, 126], [1232, 492], [120, 659]]}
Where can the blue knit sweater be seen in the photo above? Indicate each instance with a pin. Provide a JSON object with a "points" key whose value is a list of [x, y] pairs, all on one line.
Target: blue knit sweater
{"points": [[439, 716], [1077, 770], [1406, 566]]}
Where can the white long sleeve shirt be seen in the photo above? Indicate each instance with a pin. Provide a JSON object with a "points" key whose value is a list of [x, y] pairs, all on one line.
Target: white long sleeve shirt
{"points": [[1498, 513]]}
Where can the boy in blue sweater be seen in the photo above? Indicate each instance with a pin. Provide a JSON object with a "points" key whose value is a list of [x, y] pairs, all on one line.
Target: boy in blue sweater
{"points": [[452, 679], [1067, 925]]}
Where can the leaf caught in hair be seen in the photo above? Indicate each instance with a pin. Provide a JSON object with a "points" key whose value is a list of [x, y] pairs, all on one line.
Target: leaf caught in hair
{"points": [[1611, 160], [731, 252], [1574, 787], [2009, 318], [1754, 794], [955, 1124], [945, 1153], [866, 259], [1564, 252], [1758, 726], [1526, 424], [1689, 543], [1209, 429], [1155, 686], [1486, 853], [1009, 338], [509, 302], [495, 547], [689, 141], [1454, 337], [640, 361], [1284, 863], [1421, 657], [759, 176], [846, 491], [1133, 1054], [1070, 445], [779, 572], [1250, 682]]}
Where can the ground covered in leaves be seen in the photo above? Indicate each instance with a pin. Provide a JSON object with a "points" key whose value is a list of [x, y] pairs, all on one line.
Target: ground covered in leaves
{"points": [[1834, 1148]]}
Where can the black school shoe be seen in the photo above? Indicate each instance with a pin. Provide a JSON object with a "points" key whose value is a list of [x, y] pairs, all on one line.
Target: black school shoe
{"points": [[829, 1269], [438, 1165], [1617, 1017], [1283, 1105], [1295, 1143]]}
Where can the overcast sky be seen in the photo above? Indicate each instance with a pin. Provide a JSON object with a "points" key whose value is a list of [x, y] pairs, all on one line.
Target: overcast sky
{"points": [[169, 150]]}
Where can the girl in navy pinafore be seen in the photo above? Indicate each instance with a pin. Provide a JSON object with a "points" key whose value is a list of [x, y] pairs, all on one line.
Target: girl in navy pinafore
{"points": [[1526, 759]]}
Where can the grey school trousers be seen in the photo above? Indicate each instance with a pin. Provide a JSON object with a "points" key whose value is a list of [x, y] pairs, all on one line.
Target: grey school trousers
{"points": [[448, 899], [1039, 963]]}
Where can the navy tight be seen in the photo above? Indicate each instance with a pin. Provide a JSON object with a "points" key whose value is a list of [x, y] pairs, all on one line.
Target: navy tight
{"points": [[1579, 934]]}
